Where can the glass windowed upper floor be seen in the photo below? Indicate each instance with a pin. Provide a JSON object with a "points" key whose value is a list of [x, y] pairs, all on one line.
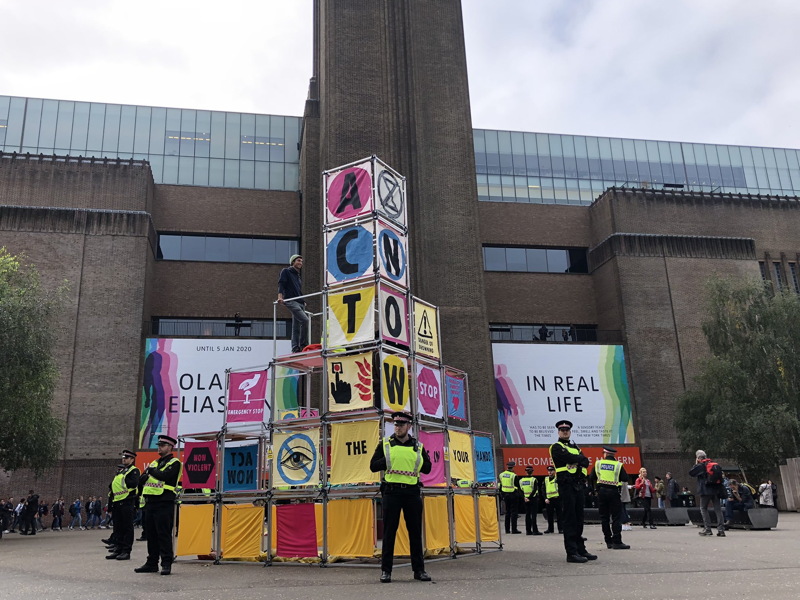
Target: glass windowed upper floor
{"points": [[183, 146], [569, 169], [243, 150]]}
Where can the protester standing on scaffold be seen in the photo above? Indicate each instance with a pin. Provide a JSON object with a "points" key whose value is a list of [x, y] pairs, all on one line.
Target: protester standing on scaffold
{"points": [[290, 286]]}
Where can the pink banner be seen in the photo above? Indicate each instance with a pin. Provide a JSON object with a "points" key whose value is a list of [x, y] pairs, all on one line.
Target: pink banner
{"points": [[434, 444], [247, 393], [200, 465], [296, 530]]}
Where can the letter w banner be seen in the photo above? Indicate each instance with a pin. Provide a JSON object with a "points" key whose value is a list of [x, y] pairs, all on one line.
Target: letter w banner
{"points": [[351, 316], [394, 382], [247, 395], [461, 464], [352, 445]]}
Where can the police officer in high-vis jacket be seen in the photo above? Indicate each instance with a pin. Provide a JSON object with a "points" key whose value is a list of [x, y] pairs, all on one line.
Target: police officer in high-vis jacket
{"points": [[123, 504], [551, 503], [608, 477], [158, 483], [571, 469], [529, 486], [508, 482], [402, 458]]}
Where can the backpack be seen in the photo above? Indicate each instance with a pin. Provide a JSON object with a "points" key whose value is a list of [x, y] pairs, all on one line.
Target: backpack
{"points": [[713, 473]]}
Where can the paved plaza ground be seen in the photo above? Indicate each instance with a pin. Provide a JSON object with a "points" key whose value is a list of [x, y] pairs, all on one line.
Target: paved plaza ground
{"points": [[669, 562]]}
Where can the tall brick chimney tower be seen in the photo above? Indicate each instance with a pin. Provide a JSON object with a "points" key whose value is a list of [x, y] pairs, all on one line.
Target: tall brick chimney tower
{"points": [[390, 79]]}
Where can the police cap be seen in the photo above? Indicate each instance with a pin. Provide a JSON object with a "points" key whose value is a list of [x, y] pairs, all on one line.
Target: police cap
{"points": [[564, 423]]}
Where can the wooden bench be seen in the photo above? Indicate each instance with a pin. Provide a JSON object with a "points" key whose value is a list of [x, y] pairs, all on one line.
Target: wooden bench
{"points": [[755, 518]]}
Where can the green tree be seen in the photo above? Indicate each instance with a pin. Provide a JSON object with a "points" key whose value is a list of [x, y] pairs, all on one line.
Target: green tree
{"points": [[744, 404], [30, 436]]}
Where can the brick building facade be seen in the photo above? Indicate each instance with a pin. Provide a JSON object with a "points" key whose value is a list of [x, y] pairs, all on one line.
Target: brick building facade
{"points": [[389, 79]]}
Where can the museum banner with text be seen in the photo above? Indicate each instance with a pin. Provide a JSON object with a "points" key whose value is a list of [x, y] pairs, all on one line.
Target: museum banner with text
{"points": [[183, 383], [538, 384]]}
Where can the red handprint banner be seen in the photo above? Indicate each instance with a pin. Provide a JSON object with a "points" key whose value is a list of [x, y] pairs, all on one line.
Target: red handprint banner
{"points": [[350, 382]]}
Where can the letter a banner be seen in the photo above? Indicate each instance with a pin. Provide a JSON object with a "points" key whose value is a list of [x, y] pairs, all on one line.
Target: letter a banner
{"points": [[296, 459], [349, 193], [352, 445], [247, 394], [394, 382], [426, 329], [350, 382], [351, 316], [461, 464]]}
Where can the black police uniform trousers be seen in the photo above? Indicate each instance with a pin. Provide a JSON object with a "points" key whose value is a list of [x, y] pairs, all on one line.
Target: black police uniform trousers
{"points": [[609, 504], [511, 500], [397, 497], [160, 518], [573, 500], [531, 511], [553, 510], [123, 524]]}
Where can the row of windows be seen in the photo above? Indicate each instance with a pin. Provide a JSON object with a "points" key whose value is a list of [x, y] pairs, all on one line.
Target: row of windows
{"points": [[226, 249], [778, 276], [735, 169], [501, 332], [234, 326], [536, 260], [547, 190], [192, 147]]}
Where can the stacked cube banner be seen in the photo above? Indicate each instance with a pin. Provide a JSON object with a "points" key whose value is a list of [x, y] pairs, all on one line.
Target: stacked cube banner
{"points": [[200, 465], [538, 384], [350, 382], [183, 384], [247, 395], [352, 445], [296, 458]]}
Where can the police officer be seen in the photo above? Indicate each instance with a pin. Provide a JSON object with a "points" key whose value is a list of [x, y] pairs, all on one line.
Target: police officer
{"points": [[551, 502], [402, 458], [510, 494], [159, 482], [608, 477], [571, 465], [529, 486], [123, 504]]}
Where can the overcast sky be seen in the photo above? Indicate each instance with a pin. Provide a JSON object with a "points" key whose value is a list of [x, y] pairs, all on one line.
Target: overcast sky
{"points": [[722, 71]]}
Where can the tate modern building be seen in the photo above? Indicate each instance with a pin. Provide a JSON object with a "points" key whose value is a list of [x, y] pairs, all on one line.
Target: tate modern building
{"points": [[567, 271]]}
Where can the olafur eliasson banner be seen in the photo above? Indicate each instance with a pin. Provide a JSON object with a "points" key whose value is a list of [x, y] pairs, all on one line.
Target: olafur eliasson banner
{"points": [[538, 384], [183, 384]]}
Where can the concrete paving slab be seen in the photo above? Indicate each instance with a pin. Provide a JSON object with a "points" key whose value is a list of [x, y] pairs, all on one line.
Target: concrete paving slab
{"points": [[665, 563]]}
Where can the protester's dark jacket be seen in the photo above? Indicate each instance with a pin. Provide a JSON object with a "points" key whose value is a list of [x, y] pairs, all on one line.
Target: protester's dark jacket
{"points": [[290, 284]]}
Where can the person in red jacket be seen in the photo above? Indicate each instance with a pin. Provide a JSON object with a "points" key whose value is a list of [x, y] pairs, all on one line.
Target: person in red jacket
{"points": [[645, 492]]}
